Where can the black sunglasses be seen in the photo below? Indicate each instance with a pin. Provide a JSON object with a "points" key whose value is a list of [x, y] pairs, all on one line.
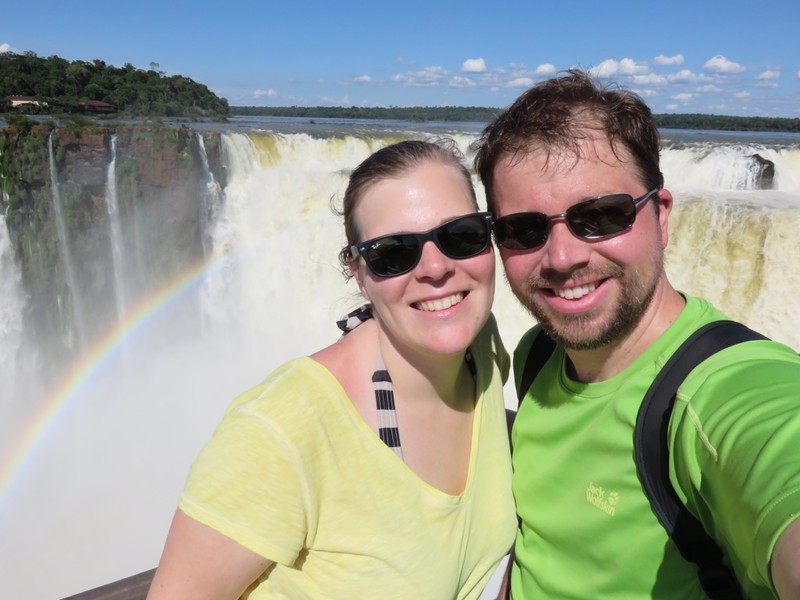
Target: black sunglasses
{"points": [[591, 220], [398, 253]]}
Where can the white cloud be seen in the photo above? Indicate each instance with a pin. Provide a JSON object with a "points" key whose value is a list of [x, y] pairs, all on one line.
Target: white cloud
{"points": [[769, 74], [429, 76], [720, 64], [668, 60], [672, 107], [798, 74], [649, 79], [686, 76], [685, 97], [270, 93], [742, 94], [363, 79], [473, 65], [768, 84], [8, 48], [545, 69], [461, 82], [611, 68], [708, 89], [520, 82]]}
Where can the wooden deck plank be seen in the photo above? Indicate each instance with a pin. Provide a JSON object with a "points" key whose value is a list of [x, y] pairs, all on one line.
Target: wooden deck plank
{"points": [[134, 587]]}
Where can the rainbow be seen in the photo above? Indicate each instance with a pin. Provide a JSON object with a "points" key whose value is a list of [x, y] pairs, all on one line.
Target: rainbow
{"points": [[60, 398]]}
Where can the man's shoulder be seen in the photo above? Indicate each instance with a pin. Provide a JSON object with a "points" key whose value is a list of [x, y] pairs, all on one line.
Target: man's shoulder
{"points": [[527, 339]]}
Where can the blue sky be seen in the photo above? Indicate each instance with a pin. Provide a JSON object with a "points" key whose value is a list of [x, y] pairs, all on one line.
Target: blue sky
{"points": [[730, 57]]}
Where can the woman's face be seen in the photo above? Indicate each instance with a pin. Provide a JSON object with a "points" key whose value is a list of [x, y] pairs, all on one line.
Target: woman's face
{"points": [[441, 304]]}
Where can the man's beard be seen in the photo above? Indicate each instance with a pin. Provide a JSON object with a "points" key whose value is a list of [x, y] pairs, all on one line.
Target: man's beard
{"points": [[583, 331]]}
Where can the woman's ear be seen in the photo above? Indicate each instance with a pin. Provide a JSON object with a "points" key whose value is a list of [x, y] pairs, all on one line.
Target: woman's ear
{"points": [[356, 271]]}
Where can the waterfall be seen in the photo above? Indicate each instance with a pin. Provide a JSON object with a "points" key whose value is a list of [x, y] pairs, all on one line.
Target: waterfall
{"points": [[117, 245], [276, 213], [77, 329], [212, 198], [12, 303], [728, 167], [107, 474]]}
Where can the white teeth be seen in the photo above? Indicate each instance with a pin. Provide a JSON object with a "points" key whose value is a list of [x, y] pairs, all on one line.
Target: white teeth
{"points": [[576, 292], [441, 303]]}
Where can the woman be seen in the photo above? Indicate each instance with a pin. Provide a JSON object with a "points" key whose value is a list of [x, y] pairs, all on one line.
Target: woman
{"points": [[378, 466]]}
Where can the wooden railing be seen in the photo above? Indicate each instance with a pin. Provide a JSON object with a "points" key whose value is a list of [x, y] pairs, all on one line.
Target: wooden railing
{"points": [[134, 587]]}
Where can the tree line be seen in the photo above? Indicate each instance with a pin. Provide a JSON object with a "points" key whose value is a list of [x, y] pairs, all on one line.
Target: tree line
{"points": [[420, 114], [59, 85], [484, 115]]}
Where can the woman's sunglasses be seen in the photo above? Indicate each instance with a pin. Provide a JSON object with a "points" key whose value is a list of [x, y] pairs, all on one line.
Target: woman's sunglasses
{"points": [[391, 255], [591, 220]]}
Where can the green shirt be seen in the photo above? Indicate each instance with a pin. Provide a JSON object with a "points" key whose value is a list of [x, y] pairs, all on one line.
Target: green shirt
{"points": [[586, 527]]}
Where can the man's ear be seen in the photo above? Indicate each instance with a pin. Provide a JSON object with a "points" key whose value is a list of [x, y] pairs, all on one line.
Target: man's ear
{"points": [[665, 203]]}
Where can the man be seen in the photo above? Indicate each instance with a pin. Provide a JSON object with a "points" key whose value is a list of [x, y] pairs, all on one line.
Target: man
{"points": [[593, 277]]}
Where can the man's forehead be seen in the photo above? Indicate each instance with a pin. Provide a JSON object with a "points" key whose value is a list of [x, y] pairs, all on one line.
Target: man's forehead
{"points": [[562, 158]]}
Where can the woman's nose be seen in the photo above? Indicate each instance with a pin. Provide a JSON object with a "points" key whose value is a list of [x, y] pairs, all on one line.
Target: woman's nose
{"points": [[433, 264]]}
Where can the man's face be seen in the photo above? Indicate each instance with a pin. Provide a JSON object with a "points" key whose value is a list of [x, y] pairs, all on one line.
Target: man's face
{"points": [[585, 293]]}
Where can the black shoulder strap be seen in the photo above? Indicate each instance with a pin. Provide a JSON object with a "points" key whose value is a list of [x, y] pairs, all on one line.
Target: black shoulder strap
{"points": [[652, 455], [540, 350], [538, 354]]}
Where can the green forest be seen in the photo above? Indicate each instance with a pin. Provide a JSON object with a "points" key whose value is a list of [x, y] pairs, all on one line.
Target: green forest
{"points": [[61, 86], [483, 115], [58, 86]]}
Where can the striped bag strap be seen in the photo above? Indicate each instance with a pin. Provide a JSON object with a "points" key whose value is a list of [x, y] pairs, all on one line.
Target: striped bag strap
{"points": [[384, 401]]}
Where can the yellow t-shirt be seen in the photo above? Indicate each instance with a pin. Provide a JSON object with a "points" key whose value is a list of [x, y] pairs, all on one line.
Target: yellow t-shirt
{"points": [[294, 474]]}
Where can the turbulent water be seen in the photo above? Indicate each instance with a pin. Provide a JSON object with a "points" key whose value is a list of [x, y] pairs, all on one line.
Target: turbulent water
{"points": [[90, 470]]}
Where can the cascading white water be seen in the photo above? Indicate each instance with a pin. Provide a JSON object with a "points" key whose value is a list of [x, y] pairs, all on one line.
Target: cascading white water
{"points": [[728, 167], [77, 335], [12, 303], [118, 258], [277, 240], [212, 198], [90, 501]]}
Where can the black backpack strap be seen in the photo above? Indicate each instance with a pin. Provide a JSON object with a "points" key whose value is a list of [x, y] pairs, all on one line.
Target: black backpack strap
{"points": [[538, 354], [652, 455], [540, 350]]}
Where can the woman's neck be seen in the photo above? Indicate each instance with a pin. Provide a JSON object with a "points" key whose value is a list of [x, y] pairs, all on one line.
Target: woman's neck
{"points": [[425, 377]]}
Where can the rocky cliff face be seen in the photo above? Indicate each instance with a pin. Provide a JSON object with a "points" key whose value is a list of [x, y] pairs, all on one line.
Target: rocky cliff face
{"points": [[72, 259]]}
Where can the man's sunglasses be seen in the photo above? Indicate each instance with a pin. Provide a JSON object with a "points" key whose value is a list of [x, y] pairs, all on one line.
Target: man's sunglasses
{"points": [[593, 219], [399, 253]]}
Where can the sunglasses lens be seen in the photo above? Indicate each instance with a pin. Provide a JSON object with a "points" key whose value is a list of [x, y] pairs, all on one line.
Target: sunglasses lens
{"points": [[464, 237], [393, 255], [397, 254], [522, 231], [602, 217]]}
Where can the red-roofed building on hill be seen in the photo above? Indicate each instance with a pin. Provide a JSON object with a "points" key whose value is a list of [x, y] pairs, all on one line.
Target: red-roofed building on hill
{"points": [[96, 106]]}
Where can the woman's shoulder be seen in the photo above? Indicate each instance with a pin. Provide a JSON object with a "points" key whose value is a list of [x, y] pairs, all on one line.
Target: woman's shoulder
{"points": [[294, 383], [351, 355]]}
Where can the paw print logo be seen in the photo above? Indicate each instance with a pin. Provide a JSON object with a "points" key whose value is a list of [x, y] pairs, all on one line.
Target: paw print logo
{"points": [[613, 498]]}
